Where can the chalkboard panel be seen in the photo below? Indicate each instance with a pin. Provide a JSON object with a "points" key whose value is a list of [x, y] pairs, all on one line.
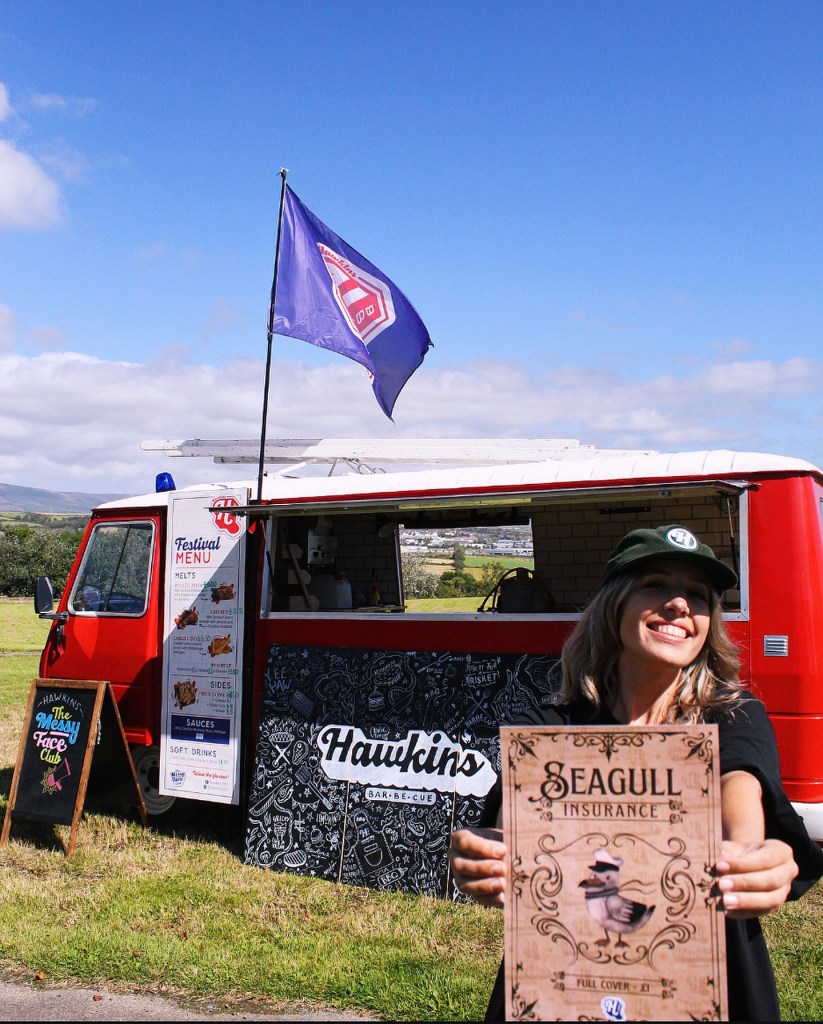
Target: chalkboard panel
{"points": [[56, 737], [367, 760], [72, 742]]}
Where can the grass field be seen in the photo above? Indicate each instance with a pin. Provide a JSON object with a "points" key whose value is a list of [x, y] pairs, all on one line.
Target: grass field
{"points": [[20, 628], [443, 604], [172, 909], [442, 562]]}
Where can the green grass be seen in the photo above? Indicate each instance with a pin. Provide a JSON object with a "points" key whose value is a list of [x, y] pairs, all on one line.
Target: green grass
{"points": [[442, 562], [182, 915], [172, 909], [795, 938], [20, 628], [478, 561], [444, 604], [16, 674]]}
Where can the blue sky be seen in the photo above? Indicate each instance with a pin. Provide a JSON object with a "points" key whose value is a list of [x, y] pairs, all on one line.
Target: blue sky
{"points": [[608, 215]]}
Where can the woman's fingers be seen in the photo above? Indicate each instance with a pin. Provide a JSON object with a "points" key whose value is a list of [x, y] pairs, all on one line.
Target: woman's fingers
{"points": [[477, 858], [480, 843], [755, 878]]}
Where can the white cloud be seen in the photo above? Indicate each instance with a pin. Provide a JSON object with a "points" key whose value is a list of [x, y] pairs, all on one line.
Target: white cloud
{"points": [[97, 412], [46, 336], [761, 377], [151, 252], [221, 316], [5, 106], [734, 348], [6, 328], [76, 105], [28, 196], [65, 160]]}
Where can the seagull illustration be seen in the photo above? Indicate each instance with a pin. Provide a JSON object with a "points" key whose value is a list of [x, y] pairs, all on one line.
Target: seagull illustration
{"points": [[613, 912]]}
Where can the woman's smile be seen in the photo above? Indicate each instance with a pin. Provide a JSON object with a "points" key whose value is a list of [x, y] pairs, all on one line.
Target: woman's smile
{"points": [[669, 629], [665, 619]]}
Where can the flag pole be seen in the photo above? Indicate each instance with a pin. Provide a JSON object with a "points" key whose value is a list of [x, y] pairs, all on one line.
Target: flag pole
{"points": [[283, 172]]}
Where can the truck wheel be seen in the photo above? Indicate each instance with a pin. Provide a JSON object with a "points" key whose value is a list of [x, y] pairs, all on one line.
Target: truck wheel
{"points": [[147, 767]]}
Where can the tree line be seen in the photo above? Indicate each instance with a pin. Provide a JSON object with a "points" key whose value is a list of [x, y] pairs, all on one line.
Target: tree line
{"points": [[27, 552], [419, 581]]}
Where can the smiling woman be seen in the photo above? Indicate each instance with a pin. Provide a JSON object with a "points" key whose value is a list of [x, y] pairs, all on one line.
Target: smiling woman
{"points": [[651, 648], [666, 617]]}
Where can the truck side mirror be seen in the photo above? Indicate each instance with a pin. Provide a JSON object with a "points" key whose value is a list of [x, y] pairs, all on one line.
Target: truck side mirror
{"points": [[44, 600], [43, 595]]}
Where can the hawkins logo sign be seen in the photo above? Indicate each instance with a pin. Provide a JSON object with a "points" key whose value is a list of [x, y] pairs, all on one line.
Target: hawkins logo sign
{"points": [[420, 761], [365, 301], [223, 520]]}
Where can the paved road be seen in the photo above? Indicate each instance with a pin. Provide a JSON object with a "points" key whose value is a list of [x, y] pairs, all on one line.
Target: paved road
{"points": [[39, 1001]]}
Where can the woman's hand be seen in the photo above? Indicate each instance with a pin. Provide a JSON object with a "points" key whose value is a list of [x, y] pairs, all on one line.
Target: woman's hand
{"points": [[755, 873], [755, 877], [478, 863]]}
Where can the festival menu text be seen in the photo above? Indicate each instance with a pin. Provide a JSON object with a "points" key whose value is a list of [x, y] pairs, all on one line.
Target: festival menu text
{"points": [[203, 646]]}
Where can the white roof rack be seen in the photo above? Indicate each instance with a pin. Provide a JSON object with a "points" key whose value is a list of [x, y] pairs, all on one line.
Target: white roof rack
{"points": [[572, 470], [360, 453]]}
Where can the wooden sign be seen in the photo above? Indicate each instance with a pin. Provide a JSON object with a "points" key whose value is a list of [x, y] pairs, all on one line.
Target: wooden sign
{"points": [[72, 743], [612, 912]]}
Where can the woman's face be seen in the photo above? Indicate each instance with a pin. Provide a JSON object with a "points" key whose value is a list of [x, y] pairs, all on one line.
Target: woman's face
{"points": [[665, 618]]}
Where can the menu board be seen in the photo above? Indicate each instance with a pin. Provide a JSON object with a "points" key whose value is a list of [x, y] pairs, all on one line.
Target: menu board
{"points": [[613, 913], [203, 647], [72, 744], [56, 736]]}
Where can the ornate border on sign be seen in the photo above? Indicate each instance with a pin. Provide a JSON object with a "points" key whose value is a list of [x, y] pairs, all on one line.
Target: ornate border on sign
{"points": [[547, 881], [678, 886]]}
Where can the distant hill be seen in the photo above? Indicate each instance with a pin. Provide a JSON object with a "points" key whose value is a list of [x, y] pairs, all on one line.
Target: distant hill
{"points": [[35, 499]]}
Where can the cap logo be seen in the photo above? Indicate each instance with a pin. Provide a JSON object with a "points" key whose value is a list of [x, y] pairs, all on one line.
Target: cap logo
{"points": [[680, 537]]}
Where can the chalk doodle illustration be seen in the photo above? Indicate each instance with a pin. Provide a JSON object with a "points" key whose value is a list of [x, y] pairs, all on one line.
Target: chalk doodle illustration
{"points": [[366, 760], [53, 780]]}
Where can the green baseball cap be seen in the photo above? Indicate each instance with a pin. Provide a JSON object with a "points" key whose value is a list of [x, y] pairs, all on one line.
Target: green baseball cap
{"points": [[669, 542]]}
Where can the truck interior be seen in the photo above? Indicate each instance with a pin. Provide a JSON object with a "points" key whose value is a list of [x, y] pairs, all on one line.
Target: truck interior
{"points": [[570, 536]]}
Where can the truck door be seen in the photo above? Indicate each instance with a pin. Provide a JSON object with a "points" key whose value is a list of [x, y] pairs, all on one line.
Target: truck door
{"points": [[113, 627]]}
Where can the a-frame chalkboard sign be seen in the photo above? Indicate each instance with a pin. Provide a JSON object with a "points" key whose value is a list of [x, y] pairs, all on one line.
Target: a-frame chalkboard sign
{"points": [[73, 745]]}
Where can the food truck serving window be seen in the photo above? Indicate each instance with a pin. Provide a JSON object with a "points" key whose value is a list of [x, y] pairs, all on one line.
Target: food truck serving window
{"points": [[546, 553], [114, 575]]}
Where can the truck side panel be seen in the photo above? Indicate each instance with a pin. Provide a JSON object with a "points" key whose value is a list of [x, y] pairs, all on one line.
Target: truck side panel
{"points": [[786, 646]]}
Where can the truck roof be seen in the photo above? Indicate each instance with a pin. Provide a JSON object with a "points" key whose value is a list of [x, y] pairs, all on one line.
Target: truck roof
{"points": [[583, 466]]}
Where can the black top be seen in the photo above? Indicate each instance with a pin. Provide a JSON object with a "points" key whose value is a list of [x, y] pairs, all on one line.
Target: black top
{"points": [[746, 744]]}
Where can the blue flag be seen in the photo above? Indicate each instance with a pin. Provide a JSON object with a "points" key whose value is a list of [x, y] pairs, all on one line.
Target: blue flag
{"points": [[331, 296]]}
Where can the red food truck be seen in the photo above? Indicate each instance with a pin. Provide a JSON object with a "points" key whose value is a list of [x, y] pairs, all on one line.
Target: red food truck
{"points": [[263, 651]]}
